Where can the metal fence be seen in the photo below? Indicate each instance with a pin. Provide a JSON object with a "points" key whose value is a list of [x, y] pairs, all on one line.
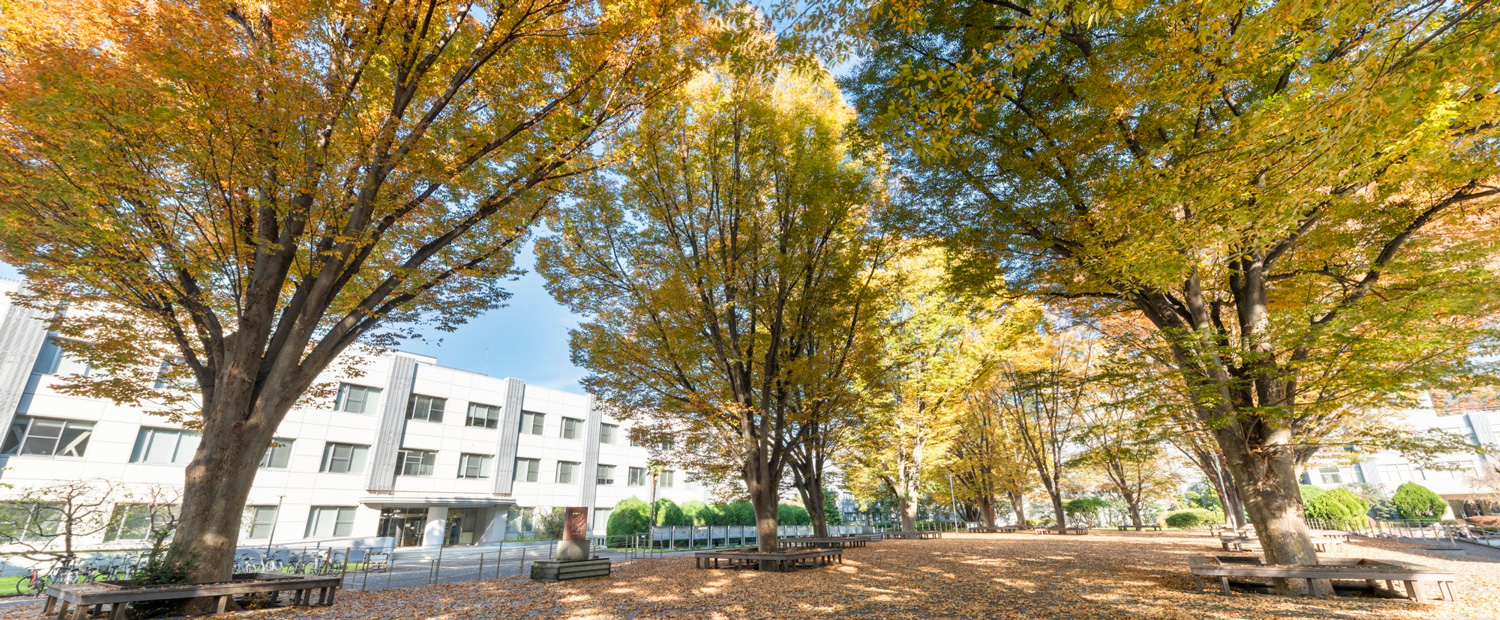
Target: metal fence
{"points": [[1448, 532]]}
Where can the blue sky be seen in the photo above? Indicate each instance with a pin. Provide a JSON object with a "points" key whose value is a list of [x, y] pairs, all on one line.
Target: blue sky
{"points": [[526, 339]]}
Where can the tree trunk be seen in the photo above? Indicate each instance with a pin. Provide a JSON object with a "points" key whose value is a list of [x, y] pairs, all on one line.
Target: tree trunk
{"points": [[216, 486], [764, 486], [1057, 508], [987, 511], [808, 478], [1135, 512], [1266, 473], [1018, 504]]}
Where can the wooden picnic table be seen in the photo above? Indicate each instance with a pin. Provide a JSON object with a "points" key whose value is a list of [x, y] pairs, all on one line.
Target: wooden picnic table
{"points": [[919, 535], [842, 542], [82, 598], [1372, 572]]}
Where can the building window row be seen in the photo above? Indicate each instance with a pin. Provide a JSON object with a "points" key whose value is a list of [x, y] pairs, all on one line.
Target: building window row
{"points": [[30, 436]]}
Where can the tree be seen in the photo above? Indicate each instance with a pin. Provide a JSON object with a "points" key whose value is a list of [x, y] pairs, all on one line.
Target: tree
{"points": [[712, 260], [1299, 202], [49, 519], [985, 461], [1042, 400], [1418, 503], [831, 513], [939, 344], [1118, 440], [249, 189]]}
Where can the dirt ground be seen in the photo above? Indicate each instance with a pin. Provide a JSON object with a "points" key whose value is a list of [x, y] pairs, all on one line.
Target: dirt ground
{"points": [[980, 576]]}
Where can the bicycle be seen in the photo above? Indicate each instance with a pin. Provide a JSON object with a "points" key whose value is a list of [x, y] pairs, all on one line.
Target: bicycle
{"points": [[33, 584]]}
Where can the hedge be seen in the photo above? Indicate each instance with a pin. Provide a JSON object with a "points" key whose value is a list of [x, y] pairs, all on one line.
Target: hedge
{"points": [[1339, 507], [787, 514], [629, 518], [1190, 518]]}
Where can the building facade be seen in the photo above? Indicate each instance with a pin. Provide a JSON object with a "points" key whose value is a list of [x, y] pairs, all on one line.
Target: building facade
{"points": [[408, 453], [1460, 478]]}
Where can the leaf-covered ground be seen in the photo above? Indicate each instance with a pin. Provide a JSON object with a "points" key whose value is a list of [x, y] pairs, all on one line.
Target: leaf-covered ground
{"points": [[981, 576]]}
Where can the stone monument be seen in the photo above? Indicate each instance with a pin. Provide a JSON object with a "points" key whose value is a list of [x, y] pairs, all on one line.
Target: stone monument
{"points": [[572, 560]]}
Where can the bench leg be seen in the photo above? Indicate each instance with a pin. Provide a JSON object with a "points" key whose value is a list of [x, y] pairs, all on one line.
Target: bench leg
{"points": [[1224, 583], [47, 609], [62, 609], [332, 592], [80, 611], [117, 611], [1198, 581], [1414, 589], [1448, 591], [222, 605]]}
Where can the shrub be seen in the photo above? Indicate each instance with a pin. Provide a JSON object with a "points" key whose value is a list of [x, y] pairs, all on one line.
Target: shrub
{"points": [[1309, 492], [787, 514], [1418, 503], [697, 513], [158, 569], [551, 523], [629, 518], [1339, 507], [669, 513], [1190, 518], [740, 513]]}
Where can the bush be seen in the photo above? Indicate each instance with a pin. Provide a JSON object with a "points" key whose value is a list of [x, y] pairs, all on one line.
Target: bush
{"points": [[740, 513], [1309, 492], [1418, 503], [629, 518], [551, 523], [669, 513], [697, 513], [1190, 518], [787, 514], [1339, 507]]}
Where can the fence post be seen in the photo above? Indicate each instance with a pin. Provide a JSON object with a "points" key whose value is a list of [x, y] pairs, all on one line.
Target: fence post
{"points": [[520, 570]]}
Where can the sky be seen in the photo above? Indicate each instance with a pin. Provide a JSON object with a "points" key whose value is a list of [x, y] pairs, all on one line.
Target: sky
{"points": [[526, 339]]}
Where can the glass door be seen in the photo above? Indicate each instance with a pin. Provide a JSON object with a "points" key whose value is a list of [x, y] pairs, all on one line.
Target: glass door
{"points": [[463, 526], [405, 525]]}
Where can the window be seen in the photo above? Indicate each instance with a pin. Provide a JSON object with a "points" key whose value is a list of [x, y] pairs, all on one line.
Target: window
{"points": [[526, 469], [164, 446], [637, 477], [47, 437], [262, 520], [474, 466], [30, 521], [415, 462], [666, 478], [329, 521], [54, 361], [483, 416], [429, 408], [278, 455], [635, 440], [665, 445], [356, 398], [531, 422], [137, 521], [606, 475], [571, 428], [344, 458], [565, 471], [607, 432], [1330, 475]]}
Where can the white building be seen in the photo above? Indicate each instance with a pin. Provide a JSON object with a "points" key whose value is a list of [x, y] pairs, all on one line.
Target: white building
{"points": [[419, 453], [1457, 478]]}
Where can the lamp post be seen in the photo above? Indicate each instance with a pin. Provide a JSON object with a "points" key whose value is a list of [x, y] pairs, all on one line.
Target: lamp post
{"points": [[953, 502], [272, 536]]}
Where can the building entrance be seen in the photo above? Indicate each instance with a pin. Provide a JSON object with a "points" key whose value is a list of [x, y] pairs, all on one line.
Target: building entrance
{"points": [[404, 524]]}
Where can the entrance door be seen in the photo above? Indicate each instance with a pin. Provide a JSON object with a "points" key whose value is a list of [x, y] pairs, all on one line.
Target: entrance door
{"points": [[404, 524], [463, 526]]}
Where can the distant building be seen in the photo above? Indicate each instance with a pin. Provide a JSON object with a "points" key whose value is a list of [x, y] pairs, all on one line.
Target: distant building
{"points": [[1457, 481], [411, 452]]}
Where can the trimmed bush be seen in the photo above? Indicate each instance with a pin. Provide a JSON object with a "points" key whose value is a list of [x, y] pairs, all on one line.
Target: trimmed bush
{"points": [[1309, 492], [1190, 518], [787, 514], [697, 513], [1339, 507], [669, 513], [629, 518], [740, 513], [1418, 503]]}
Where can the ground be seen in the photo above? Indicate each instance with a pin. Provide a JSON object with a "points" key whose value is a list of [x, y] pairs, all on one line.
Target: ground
{"points": [[979, 576]]}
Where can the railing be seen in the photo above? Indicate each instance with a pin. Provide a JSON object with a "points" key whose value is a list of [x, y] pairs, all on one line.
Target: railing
{"points": [[1448, 532]]}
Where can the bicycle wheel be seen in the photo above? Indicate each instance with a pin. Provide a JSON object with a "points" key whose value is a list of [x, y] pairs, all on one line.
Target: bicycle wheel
{"points": [[23, 587]]}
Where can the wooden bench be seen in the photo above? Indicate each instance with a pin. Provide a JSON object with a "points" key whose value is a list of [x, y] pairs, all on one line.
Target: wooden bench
{"points": [[82, 598], [984, 530], [1080, 530], [840, 542], [1372, 572], [1140, 527], [748, 557], [1246, 543], [922, 535]]}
